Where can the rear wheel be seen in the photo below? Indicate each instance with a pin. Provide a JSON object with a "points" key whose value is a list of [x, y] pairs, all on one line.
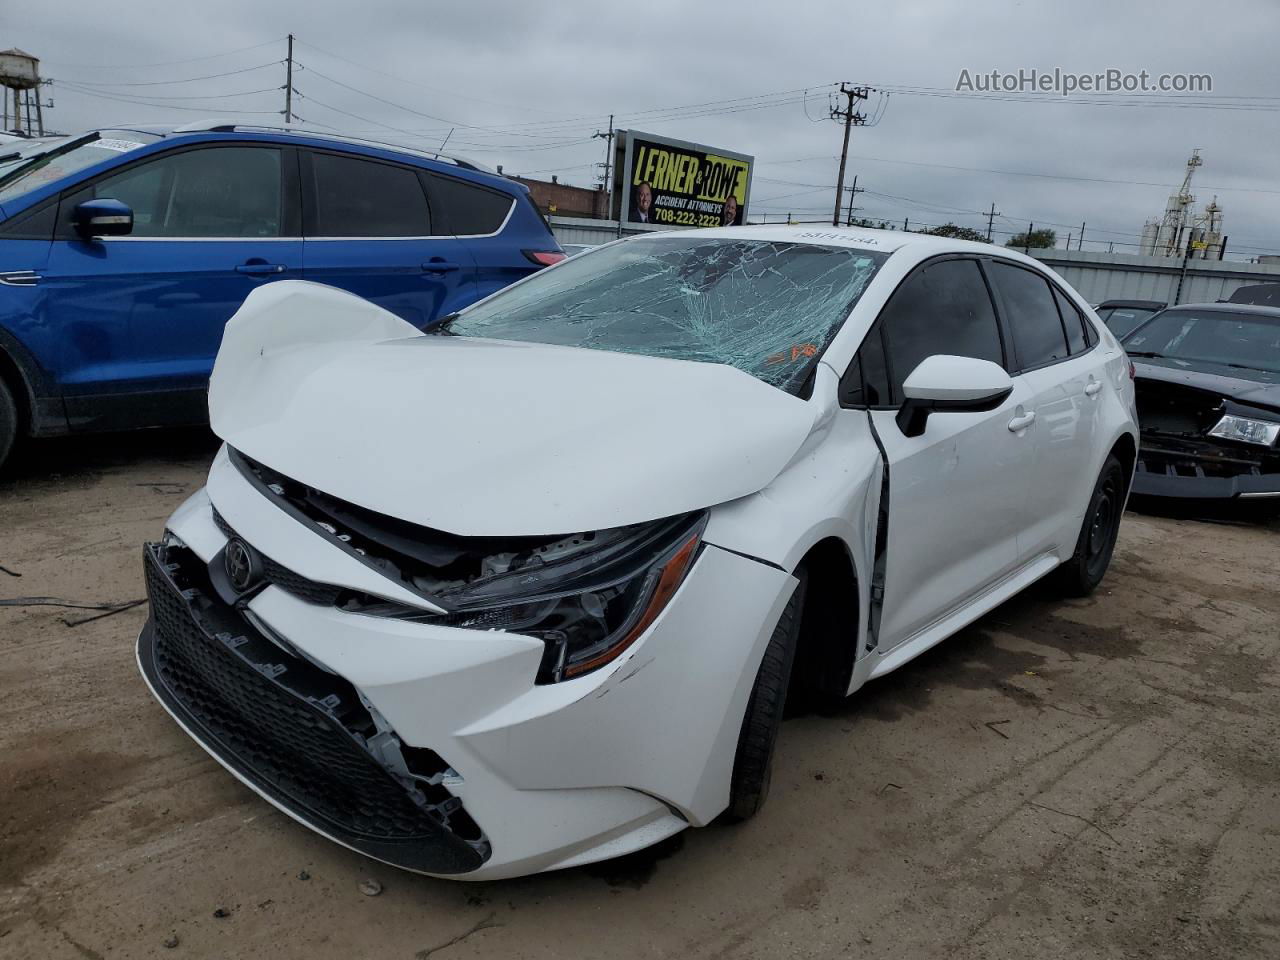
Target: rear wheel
{"points": [[8, 422], [1080, 575], [753, 762]]}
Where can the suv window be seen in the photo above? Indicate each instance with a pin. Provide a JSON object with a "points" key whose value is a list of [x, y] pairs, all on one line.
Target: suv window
{"points": [[943, 307], [214, 192], [1033, 317], [1073, 323], [364, 198], [464, 209]]}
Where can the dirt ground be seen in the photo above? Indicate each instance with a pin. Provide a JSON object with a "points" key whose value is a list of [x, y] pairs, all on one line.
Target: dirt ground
{"points": [[1094, 778]]}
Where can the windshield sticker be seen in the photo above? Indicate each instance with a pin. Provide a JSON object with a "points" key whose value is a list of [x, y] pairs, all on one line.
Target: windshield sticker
{"points": [[797, 351], [120, 146]]}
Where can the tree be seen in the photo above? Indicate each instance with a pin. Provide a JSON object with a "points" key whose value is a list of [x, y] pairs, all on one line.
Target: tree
{"points": [[958, 233], [870, 224], [1036, 239]]}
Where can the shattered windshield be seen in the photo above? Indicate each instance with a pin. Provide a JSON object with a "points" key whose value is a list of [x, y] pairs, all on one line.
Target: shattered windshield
{"points": [[768, 308], [53, 160]]}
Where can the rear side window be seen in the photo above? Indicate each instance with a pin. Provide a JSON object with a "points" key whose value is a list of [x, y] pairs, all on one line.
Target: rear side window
{"points": [[1072, 322], [1038, 337], [464, 209], [943, 307], [363, 198]]}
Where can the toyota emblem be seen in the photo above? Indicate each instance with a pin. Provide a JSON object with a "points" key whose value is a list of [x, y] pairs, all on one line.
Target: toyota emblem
{"points": [[242, 565]]}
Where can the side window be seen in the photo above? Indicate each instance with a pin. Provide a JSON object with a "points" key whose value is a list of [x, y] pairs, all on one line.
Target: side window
{"points": [[1072, 322], [364, 198], [943, 307], [1032, 315], [216, 192], [866, 382], [465, 209]]}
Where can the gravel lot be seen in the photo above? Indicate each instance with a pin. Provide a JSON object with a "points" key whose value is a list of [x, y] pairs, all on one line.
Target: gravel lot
{"points": [[1093, 778]]}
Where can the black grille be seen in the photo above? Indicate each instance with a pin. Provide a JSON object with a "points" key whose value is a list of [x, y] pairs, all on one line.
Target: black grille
{"points": [[277, 573], [293, 729]]}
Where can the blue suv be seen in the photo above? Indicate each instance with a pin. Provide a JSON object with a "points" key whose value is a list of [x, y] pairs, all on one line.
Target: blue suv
{"points": [[123, 253]]}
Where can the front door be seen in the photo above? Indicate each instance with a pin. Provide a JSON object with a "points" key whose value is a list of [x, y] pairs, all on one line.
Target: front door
{"points": [[957, 492], [141, 317]]}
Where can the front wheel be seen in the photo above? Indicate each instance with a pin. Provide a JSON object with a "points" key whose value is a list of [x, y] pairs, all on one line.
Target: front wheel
{"points": [[8, 422], [1080, 575], [753, 761]]}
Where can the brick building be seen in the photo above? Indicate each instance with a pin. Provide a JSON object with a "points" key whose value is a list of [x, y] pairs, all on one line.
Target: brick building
{"points": [[553, 197]]}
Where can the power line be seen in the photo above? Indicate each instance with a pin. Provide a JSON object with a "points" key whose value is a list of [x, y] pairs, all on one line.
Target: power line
{"points": [[165, 106], [166, 83], [170, 63]]}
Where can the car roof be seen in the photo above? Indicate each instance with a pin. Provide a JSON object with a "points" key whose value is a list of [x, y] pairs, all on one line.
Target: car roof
{"points": [[1272, 313], [1140, 304], [920, 245]]}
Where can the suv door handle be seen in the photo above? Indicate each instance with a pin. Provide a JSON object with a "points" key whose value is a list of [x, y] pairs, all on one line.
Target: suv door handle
{"points": [[439, 266], [1093, 387], [260, 269], [1022, 422]]}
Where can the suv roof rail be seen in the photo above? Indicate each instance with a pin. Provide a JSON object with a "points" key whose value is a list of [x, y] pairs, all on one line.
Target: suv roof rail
{"points": [[231, 126]]}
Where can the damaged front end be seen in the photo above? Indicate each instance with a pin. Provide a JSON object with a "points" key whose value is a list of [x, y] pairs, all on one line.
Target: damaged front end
{"points": [[1201, 444], [299, 734]]}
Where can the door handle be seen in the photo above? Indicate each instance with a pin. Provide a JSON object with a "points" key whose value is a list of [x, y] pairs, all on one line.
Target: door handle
{"points": [[1022, 422], [439, 266], [260, 269], [1092, 389]]}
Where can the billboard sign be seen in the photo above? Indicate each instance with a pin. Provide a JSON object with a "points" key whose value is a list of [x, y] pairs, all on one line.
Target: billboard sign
{"points": [[672, 183]]}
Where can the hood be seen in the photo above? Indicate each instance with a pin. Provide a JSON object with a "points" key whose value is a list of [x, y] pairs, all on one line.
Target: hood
{"points": [[484, 437], [1213, 378]]}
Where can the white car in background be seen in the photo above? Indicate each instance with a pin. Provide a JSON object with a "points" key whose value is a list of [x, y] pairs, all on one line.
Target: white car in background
{"points": [[532, 591]]}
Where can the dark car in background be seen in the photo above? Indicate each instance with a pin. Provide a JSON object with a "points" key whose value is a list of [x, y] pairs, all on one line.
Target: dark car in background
{"points": [[1122, 317], [1208, 394], [124, 252]]}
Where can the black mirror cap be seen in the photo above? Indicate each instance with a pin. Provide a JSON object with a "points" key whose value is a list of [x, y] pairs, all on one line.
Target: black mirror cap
{"points": [[913, 415], [102, 218]]}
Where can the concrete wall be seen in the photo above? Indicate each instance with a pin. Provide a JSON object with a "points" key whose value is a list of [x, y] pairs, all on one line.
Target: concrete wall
{"points": [[1098, 276], [1126, 276]]}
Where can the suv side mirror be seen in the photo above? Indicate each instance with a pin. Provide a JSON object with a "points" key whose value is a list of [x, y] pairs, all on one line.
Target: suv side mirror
{"points": [[102, 218], [945, 383]]}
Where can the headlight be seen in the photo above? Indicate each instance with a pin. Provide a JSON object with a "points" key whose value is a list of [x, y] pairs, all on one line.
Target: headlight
{"points": [[1246, 430], [587, 597]]}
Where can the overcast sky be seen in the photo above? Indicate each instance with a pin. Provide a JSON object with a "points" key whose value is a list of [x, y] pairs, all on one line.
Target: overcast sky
{"points": [[525, 85]]}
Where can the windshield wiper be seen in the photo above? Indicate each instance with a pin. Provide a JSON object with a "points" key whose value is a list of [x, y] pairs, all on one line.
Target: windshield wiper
{"points": [[442, 328]]}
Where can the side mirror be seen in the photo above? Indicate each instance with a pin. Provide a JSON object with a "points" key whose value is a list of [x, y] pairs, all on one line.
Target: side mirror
{"points": [[944, 383], [102, 218]]}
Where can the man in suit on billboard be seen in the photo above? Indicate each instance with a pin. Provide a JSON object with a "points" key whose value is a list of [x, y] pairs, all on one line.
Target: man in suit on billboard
{"points": [[642, 203]]}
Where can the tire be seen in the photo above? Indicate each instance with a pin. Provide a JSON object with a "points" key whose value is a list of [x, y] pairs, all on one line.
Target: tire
{"points": [[8, 423], [1080, 575], [753, 761]]}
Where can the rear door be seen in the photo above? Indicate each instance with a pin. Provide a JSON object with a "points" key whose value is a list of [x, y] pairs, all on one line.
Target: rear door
{"points": [[140, 317], [1053, 354], [369, 229], [956, 492], [481, 219]]}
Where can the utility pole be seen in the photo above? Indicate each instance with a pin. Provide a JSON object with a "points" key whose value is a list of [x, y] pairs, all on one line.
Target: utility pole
{"points": [[288, 85], [991, 219], [904, 224], [608, 168], [851, 118], [1026, 241], [1080, 244], [853, 192]]}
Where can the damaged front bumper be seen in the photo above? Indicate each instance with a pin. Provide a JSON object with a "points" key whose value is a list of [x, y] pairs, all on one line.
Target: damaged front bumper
{"points": [[440, 733]]}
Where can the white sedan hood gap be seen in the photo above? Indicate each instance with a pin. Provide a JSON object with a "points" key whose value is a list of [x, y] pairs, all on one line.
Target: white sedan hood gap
{"points": [[485, 437]]}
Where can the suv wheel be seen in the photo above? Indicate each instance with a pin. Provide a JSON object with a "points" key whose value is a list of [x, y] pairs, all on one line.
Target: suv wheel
{"points": [[8, 422]]}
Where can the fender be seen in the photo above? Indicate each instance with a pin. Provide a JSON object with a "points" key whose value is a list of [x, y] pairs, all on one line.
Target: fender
{"points": [[37, 394]]}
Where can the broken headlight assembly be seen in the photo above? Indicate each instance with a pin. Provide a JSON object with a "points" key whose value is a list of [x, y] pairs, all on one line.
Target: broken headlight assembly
{"points": [[1246, 430], [587, 597]]}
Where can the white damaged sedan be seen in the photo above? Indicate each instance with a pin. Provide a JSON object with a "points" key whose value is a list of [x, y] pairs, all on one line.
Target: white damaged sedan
{"points": [[532, 590]]}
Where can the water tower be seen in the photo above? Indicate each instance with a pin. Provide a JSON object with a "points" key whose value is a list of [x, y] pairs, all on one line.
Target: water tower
{"points": [[20, 82]]}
